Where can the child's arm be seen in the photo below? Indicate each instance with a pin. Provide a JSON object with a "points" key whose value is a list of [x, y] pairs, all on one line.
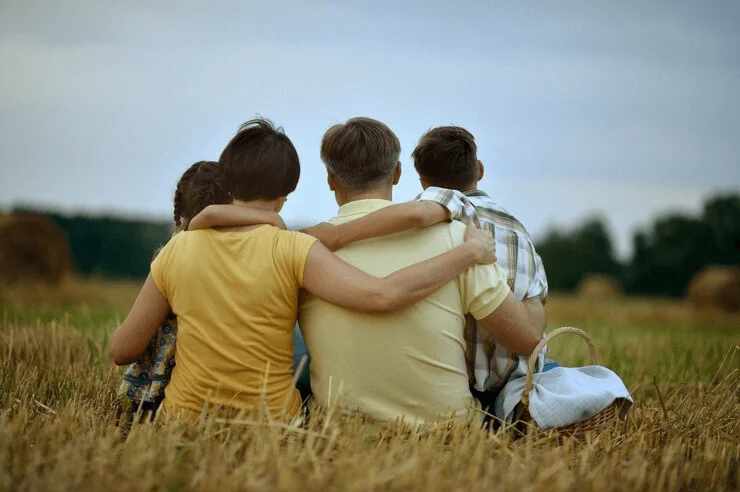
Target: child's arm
{"points": [[383, 222], [433, 206], [234, 215]]}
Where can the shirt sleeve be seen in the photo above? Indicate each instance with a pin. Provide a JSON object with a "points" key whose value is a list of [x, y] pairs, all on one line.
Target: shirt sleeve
{"points": [[300, 246], [538, 283], [455, 202], [483, 289]]}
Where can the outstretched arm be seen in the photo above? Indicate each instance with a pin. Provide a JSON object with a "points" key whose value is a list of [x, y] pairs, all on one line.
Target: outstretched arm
{"points": [[383, 222], [536, 312], [234, 215], [150, 309], [515, 325], [330, 278]]}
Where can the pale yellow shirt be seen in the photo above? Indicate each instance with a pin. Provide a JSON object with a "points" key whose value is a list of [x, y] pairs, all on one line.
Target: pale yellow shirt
{"points": [[409, 364], [235, 297]]}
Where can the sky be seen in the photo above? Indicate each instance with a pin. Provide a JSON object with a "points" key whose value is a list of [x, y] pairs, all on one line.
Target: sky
{"points": [[629, 110]]}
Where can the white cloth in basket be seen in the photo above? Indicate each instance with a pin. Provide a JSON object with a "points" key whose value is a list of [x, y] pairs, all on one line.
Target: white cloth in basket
{"points": [[565, 395]]}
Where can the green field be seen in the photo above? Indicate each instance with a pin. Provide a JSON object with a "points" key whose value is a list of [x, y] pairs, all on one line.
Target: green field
{"points": [[58, 409]]}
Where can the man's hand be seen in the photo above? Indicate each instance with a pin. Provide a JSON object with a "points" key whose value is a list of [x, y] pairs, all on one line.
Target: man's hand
{"points": [[326, 233], [485, 243]]}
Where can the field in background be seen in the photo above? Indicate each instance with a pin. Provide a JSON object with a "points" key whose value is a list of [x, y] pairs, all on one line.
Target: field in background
{"points": [[58, 407]]}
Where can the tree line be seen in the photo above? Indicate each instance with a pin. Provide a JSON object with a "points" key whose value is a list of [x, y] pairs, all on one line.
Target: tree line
{"points": [[665, 255], [109, 246]]}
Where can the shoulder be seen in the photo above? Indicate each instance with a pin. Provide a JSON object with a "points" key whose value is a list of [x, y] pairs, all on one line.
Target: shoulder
{"points": [[292, 241], [441, 195], [496, 214], [284, 235], [165, 250], [453, 233]]}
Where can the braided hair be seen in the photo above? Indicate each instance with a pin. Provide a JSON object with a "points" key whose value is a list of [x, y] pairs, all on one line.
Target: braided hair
{"points": [[205, 188], [178, 202], [199, 186]]}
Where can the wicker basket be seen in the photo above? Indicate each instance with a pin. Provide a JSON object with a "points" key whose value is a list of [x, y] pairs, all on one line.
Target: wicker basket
{"points": [[596, 424]]}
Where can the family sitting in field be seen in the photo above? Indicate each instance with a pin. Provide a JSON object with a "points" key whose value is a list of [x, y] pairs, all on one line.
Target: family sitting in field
{"points": [[414, 316]]}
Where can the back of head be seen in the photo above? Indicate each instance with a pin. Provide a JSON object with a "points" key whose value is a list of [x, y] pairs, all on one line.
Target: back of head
{"points": [[200, 186], [446, 156], [260, 162], [178, 202], [361, 153]]}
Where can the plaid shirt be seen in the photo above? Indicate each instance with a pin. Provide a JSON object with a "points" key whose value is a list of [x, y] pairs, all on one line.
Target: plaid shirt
{"points": [[490, 365]]}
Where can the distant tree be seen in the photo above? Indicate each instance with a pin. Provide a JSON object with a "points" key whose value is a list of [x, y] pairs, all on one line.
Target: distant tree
{"points": [[665, 258], [676, 247], [111, 247], [722, 215], [569, 256]]}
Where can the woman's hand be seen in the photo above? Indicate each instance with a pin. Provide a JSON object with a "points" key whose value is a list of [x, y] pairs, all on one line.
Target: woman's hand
{"points": [[325, 232], [484, 243]]}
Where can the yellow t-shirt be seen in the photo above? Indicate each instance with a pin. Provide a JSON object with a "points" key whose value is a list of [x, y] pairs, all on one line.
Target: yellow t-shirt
{"points": [[411, 363], [235, 297]]}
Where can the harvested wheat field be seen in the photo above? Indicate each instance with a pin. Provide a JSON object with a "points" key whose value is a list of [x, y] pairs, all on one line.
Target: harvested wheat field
{"points": [[58, 413]]}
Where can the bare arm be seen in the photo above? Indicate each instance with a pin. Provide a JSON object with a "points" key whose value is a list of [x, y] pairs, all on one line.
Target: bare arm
{"points": [[234, 215], [383, 222], [514, 326], [536, 312], [147, 314], [330, 278]]}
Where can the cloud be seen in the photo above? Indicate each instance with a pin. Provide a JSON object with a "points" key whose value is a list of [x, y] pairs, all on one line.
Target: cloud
{"points": [[106, 103]]}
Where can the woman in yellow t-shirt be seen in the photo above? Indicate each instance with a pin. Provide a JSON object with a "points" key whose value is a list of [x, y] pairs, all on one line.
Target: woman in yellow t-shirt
{"points": [[235, 290]]}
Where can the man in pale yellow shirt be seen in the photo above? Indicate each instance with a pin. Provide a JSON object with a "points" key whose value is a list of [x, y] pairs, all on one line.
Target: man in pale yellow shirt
{"points": [[409, 364]]}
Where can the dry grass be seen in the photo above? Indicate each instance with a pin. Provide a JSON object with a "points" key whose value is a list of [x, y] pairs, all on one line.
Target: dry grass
{"points": [[72, 292], [58, 407]]}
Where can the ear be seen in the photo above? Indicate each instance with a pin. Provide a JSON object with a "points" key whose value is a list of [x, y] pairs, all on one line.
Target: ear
{"points": [[481, 170], [397, 173], [330, 181]]}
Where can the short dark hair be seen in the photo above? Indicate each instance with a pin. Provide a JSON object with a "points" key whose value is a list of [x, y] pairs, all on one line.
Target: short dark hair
{"points": [[360, 153], [260, 162], [446, 156]]}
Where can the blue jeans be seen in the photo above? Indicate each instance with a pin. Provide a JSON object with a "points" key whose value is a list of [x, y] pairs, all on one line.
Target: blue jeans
{"points": [[303, 381]]}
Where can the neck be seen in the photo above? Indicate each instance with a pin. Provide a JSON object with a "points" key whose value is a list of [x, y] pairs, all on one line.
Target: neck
{"points": [[348, 196], [259, 204]]}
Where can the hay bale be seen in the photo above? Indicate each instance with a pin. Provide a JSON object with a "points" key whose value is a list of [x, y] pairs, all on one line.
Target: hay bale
{"points": [[599, 287], [715, 287], [32, 249]]}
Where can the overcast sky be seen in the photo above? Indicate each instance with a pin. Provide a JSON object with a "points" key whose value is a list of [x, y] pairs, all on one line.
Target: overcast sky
{"points": [[579, 107]]}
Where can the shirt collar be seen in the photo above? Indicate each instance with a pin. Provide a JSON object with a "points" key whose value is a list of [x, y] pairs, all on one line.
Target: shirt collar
{"points": [[476, 193], [359, 207]]}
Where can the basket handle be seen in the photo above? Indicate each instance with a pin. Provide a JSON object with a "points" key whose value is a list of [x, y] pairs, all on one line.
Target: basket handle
{"points": [[529, 384]]}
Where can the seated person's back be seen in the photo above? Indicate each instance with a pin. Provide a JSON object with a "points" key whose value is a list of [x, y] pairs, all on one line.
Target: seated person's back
{"points": [[410, 363], [235, 291], [235, 297]]}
